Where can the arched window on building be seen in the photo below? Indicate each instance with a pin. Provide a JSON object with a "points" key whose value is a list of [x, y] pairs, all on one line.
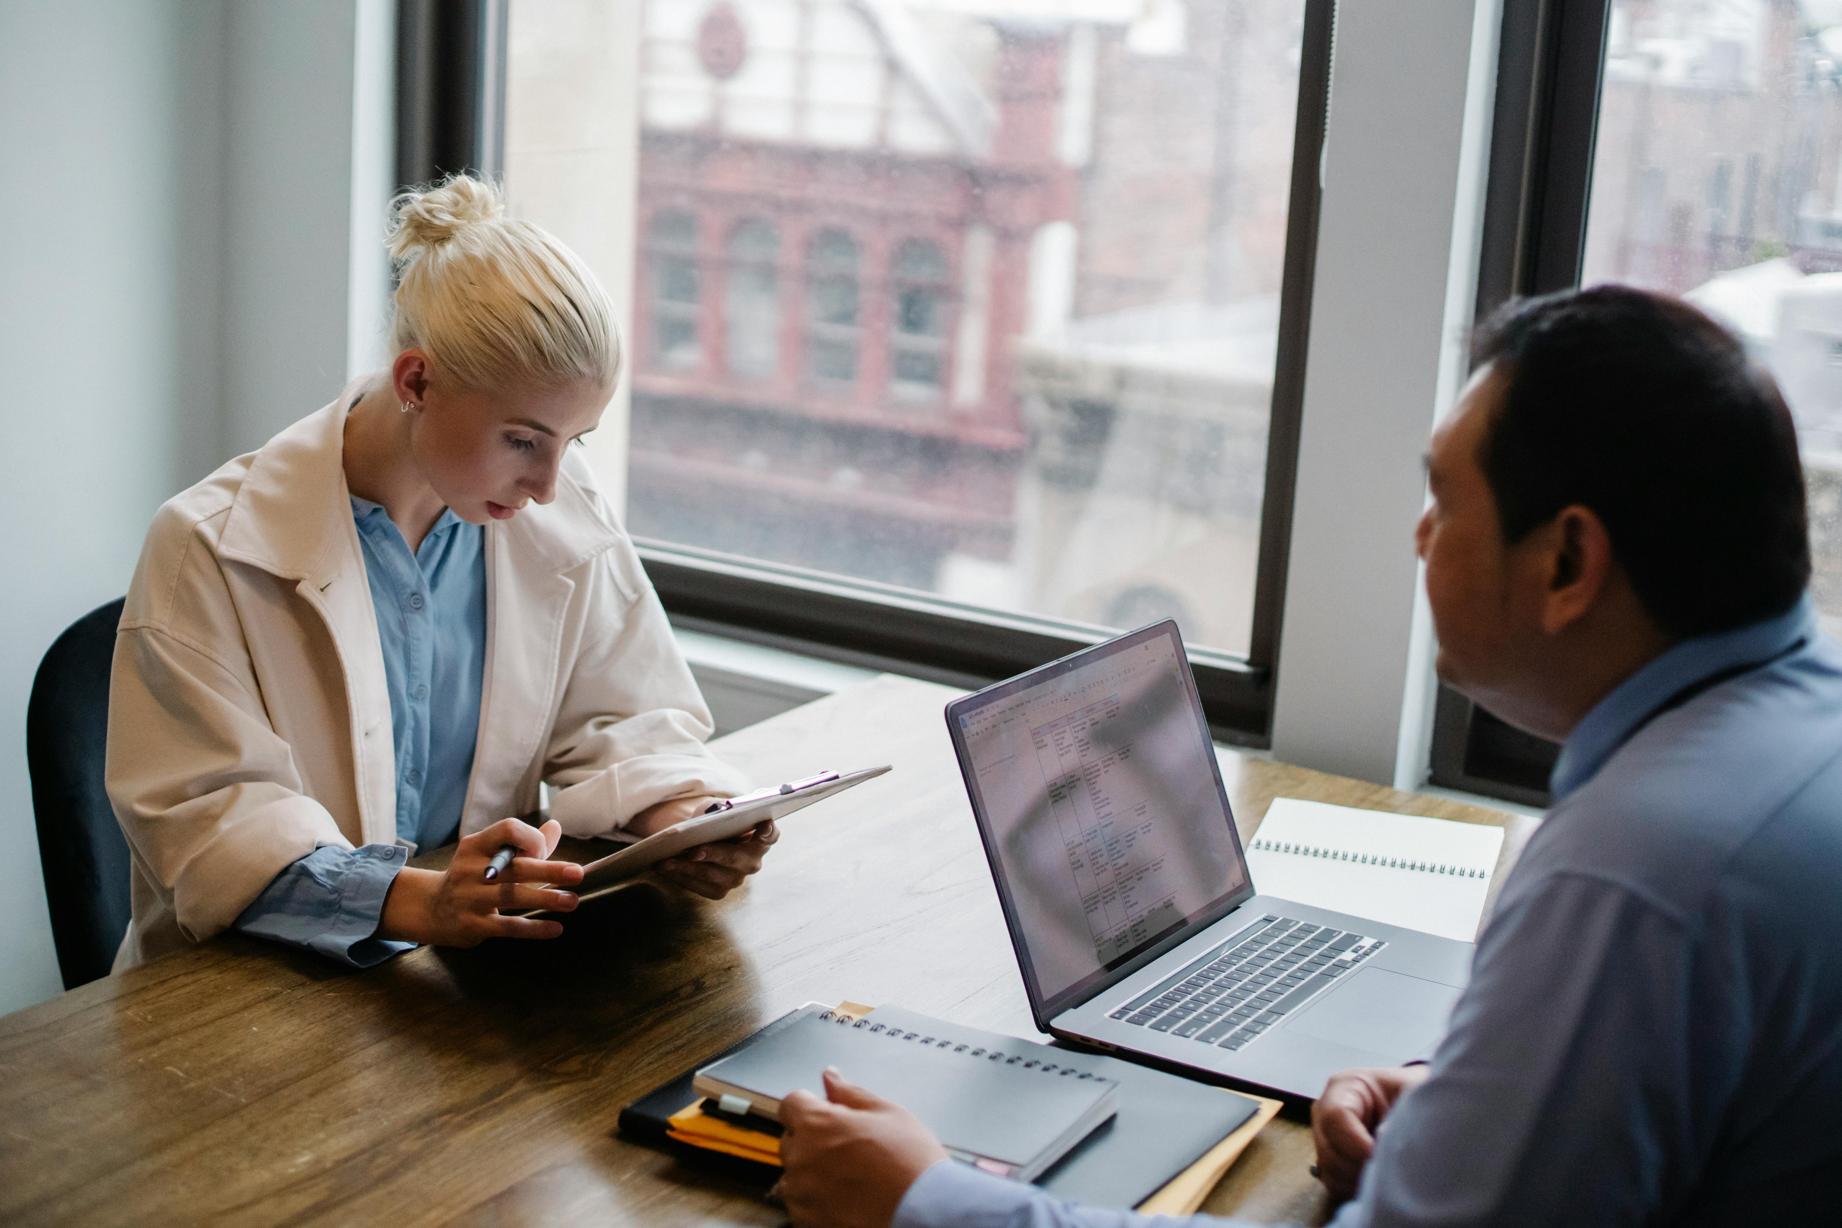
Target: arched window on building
{"points": [[671, 242], [751, 300], [918, 342], [833, 332]]}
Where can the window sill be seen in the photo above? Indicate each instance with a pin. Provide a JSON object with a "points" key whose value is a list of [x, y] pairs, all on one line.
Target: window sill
{"points": [[744, 683]]}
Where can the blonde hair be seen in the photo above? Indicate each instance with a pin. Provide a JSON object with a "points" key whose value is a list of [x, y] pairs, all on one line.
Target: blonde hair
{"points": [[495, 302]]}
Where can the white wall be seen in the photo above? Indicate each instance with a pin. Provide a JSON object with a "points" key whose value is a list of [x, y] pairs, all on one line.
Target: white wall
{"points": [[307, 152], [110, 118], [178, 279], [1412, 86]]}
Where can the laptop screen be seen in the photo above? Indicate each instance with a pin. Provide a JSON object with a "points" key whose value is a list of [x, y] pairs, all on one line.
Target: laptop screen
{"points": [[1100, 802]]}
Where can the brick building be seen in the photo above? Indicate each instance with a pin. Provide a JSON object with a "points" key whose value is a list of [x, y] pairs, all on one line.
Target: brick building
{"points": [[835, 223], [1719, 143], [893, 255]]}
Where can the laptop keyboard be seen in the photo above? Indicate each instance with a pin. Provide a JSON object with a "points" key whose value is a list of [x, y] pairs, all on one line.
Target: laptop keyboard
{"points": [[1237, 991]]}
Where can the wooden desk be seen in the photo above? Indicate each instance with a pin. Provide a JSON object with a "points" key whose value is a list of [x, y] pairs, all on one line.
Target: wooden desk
{"points": [[242, 1082]]}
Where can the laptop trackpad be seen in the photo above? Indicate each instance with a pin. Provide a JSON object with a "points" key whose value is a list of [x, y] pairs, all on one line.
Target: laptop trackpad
{"points": [[1398, 1016]]}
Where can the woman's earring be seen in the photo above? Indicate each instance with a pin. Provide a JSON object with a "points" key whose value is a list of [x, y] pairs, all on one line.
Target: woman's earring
{"points": [[409, 407]]}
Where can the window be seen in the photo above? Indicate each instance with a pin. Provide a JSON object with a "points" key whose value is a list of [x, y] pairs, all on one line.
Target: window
{"points": [[1689, 85], [832, 333], [1032, 364], [918, 347], [1642, 189], [751, 311], [672, 262]]}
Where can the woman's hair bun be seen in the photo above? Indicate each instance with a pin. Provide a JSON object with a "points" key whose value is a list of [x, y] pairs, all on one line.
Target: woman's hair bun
{"points": [[431, 216], [495, 302]]}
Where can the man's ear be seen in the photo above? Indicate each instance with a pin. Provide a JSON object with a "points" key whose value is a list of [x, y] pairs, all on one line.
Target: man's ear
{"points": [[1580, 562]]}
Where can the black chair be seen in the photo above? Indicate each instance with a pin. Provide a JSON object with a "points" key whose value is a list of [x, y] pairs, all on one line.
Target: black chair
{"points": [[84, 853]]}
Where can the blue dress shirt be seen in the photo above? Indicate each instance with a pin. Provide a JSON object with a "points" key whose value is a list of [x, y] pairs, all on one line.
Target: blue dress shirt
{"points": [[431, 622], [1653, 1029]]}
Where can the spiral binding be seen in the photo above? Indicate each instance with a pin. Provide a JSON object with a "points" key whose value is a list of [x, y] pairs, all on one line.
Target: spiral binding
{"points": [[991, 1055], [1367, 859]]}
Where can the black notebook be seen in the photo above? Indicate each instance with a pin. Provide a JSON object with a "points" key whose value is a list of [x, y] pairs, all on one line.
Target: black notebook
{"points": [[1164, 1123], [1012, 1110]]}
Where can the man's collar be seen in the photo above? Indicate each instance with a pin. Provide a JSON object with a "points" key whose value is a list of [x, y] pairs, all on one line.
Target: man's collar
{"points": [[1679, 669]]}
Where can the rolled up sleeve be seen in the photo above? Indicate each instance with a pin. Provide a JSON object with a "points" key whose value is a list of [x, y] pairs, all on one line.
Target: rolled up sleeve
{"points": [[330, 902], [206, 792], [953, 1195]]}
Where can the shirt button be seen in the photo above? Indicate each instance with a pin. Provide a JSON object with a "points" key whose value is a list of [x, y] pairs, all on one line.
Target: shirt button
{"points": [[422, 692], [413, 777], [415, 601]]}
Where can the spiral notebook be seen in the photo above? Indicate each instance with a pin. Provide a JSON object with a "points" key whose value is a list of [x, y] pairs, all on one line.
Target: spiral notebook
{"points": [[1000, 1109], [1430, 875], [1163, 1150]]}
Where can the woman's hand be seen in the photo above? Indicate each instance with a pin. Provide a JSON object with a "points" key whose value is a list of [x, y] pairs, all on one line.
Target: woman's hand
{"points": [[459, 908], [710, 870]]}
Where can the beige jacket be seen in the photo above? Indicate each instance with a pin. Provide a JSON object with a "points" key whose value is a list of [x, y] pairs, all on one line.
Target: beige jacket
{"points": [[248, 718]]}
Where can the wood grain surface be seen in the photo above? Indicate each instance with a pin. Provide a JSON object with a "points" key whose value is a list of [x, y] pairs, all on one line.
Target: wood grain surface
{"points": [[245, 1083]]}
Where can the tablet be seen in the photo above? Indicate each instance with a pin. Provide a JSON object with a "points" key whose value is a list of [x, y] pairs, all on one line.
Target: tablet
{"points": [[749, 810]]}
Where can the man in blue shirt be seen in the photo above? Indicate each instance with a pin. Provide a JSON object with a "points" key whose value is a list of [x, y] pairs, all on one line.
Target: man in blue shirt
{"points": [[1616, 556]]}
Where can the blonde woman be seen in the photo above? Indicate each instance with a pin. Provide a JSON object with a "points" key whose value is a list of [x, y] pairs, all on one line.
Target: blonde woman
{"points": [[385, 628]]}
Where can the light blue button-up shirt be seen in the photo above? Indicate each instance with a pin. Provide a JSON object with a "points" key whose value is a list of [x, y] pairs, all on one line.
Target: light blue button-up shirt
{"points": [[1653, 1029], [431, 623]]}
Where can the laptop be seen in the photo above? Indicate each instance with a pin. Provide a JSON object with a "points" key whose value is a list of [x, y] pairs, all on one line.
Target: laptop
{"points": [[1137, 925]]}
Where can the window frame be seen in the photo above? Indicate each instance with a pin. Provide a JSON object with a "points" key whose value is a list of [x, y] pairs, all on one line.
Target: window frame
{"points": [[450, 89], [1551, 63], [899, 282], [739, 265], [866, 623], [656, 251], [816, 332]]}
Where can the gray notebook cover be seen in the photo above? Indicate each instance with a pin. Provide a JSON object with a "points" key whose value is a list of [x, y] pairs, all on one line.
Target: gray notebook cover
{"points": [[971, 1095], [1163, 1125]]}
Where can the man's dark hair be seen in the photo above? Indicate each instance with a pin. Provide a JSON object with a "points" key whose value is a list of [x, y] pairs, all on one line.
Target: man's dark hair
{"points": [[1646, 411]]}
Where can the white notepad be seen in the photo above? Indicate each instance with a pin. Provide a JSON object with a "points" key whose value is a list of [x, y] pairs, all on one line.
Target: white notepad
{"points": [[1421, 874]]}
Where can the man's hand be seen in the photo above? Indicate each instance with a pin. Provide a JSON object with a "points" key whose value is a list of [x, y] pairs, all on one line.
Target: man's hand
{"points": [[1346, 1116], [459, 908], [851, 1157], [710, 870]]}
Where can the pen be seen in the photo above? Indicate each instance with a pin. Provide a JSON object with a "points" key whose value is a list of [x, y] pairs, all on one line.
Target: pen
{"points": [[792, 786], [501, 861]]}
